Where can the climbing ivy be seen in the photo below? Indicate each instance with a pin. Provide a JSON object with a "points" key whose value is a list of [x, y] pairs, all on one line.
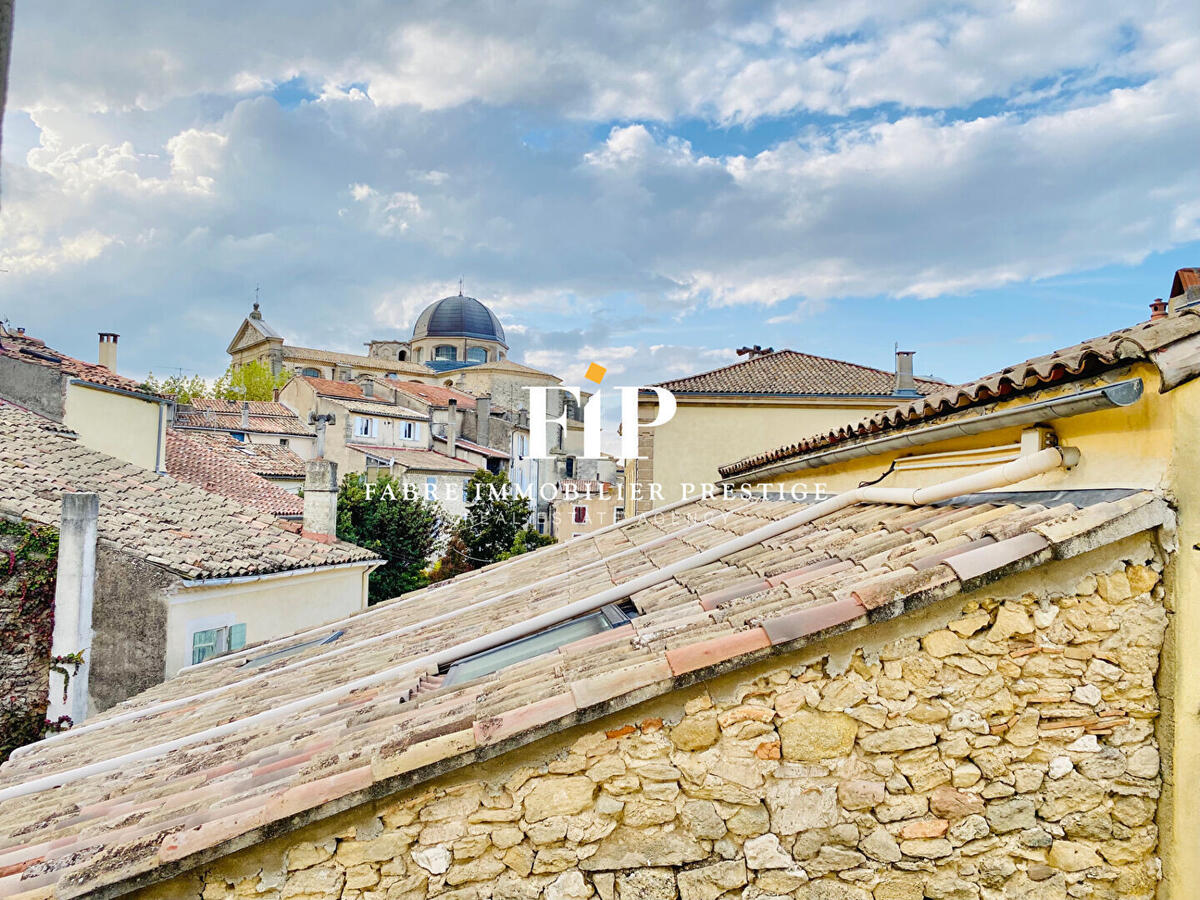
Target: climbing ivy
{"points": [[28, 562]]}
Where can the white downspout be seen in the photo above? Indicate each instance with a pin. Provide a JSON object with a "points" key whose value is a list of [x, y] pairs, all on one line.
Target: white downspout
{"points": [[997, 477]]}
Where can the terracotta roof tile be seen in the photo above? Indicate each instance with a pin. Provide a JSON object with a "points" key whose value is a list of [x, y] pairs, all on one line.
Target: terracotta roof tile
{"points": [[31, 350], [421, 460], [788, 372], [212, 462], [1170, 343], [327, 723], [434, 394]]}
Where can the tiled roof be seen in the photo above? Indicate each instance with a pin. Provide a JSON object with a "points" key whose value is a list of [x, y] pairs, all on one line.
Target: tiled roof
{"points": [[434, 394], [267, 460], [478, 448], [353, 360], [386, 410], [327, 387], [265, 417], [1172, 343], [31, 350], [787, 372], [421, 460], [224, 756], [172, 524], [190, 458]]}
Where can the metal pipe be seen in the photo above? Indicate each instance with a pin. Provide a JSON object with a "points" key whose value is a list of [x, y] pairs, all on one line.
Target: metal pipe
{"points": [[1027, 467], [1123, 393]]}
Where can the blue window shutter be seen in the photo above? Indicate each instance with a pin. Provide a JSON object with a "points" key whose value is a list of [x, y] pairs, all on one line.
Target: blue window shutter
{"points": [[237, 637]]}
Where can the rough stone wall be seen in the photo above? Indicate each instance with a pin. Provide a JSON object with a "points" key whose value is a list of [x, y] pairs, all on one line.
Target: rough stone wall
{"points": [[997, 750], [129, 617], [28, 558]]}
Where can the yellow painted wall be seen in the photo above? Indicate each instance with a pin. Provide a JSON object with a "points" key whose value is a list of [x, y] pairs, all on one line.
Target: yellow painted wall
{"points": [[706, 434], [117, 424], [601, 511], [269, 608]]}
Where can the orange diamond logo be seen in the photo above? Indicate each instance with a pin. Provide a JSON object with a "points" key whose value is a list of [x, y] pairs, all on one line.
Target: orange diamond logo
{"points": [[595, 373]]}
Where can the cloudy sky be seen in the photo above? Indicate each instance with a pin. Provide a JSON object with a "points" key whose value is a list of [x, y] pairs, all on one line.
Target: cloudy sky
{"points": [[643, 185]]}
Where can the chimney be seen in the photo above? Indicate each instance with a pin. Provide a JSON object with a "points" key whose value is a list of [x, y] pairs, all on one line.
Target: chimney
{"points": [[320, 500], [905, 385], [108, 350], [368, 388], [452, 429], [483, 420], [1158, 309], [73, 592], [245, 415]]}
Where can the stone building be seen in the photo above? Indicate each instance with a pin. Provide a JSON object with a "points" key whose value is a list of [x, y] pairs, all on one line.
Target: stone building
{"points": [[256, 423], [179, 571], [967, 681], [770, 398]]}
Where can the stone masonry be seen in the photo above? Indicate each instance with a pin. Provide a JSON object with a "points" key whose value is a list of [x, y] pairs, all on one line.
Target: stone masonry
{"points": [[1005, 750]]}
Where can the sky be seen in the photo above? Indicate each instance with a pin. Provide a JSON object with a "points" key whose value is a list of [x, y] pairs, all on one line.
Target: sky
{"points": [[644, 185]]}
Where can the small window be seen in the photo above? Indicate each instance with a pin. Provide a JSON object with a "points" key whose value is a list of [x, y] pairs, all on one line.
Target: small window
{"points": [[238, 435], [283, 442], [402, 356], [267, 658], [570, 466], [366, 427], [581, 516], [476, 355], [392, 375], [311, 372], [446, 352], [410, 431], [551, 639], [217, 641]]}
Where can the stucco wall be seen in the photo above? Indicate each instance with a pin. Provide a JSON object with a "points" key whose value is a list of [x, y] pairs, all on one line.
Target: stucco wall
{"points": [[1002, 745], [269, 608], [129, 617], [116, 424]]}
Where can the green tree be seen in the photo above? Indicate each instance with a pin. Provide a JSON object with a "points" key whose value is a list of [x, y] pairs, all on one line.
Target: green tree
{"points": [[252, 381], [184, 389], [402, 530], [496, 525]]}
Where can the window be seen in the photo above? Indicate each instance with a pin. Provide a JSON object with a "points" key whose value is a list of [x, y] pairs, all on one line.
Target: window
{"points": [[445, 351], [410, 431], [581, 516], [494, 660], [216, 641], [430, 487], [476, 355], [365, 427], [311, 372], [392, 375], [402, 356], [283, 442], [570, 466], [238, 435], [266, 658]]}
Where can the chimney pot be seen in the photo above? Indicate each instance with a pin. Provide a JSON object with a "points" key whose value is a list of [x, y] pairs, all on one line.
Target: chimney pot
{"points": [[108, 350], [452, 429], [1158, 309], [906, 386], [245, 415]]}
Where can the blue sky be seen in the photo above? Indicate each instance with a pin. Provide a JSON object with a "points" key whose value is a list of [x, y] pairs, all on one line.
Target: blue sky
{"points": [[648, 186]]}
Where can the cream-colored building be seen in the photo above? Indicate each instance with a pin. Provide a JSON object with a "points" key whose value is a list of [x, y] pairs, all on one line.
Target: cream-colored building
{"points": [[764, 401], [110, 413], [970, 680], [584, 506]]}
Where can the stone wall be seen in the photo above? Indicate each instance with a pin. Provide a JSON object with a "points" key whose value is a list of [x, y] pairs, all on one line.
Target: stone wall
{"points": [[1002, 746], [28, 556]]}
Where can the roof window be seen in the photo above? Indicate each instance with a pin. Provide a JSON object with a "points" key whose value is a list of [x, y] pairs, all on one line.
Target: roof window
{"points": [[267, 658]]}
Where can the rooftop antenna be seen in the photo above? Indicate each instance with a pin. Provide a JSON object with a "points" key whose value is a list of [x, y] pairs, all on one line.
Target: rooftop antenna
{"points": [[460, 285]]}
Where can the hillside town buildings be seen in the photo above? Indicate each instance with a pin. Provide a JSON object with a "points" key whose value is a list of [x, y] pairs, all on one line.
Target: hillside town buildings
{"points": [[966, 674]]}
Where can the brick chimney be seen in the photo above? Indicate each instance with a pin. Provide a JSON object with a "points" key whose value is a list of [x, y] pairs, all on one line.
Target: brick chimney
{"points": [[452, 429], [906, 386], [320, 500], [108, 350]]}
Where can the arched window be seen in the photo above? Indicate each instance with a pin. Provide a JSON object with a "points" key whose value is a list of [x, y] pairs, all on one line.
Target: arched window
{"points": [[476, 355], [402, 355], [446, 352], [311, 372]]}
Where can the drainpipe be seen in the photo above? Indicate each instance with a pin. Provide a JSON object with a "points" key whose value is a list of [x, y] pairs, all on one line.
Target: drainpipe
{"points": [[991, 479], [73, 594]]}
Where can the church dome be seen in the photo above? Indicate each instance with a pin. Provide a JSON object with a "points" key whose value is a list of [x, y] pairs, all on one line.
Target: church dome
{"points": [[459, 317]]}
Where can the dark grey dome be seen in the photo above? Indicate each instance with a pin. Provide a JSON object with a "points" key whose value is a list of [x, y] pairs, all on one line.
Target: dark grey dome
{"points": [[459, 317]]}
